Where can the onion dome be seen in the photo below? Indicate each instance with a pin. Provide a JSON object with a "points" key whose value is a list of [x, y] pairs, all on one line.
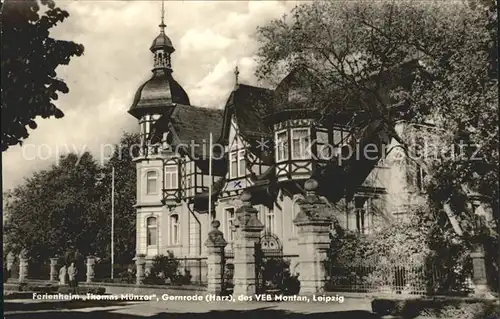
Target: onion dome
{"points": [[158, 95], [162, 41]]}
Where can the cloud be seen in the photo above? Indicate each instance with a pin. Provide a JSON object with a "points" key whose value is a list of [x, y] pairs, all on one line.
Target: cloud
{"points": [[210, 38]]}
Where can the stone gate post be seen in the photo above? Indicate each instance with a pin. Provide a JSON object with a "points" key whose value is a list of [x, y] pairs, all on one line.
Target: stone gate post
{"points": [[140, 263], [313, 223], [215, 258], [90, 268], [479, 277], [23, 266], [248, 228], [53, 269]]}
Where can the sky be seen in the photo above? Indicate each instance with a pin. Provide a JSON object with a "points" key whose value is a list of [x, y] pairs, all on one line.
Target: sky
{"points": [[210, 38]]}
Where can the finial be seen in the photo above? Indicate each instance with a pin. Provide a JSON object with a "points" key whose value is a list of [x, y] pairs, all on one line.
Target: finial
{"points": [[162, 24], [236, 74]]}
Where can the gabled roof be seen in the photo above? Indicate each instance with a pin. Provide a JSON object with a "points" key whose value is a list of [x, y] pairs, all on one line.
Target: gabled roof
{"points": [[250, 105]]}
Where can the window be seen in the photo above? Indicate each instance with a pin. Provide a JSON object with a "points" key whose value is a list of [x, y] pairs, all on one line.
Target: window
{"points": [[199, 180], [341, 137], [323, 146], [295, 212], [151, 231], [188, 178], [300, 143], [174, 230], [171, 177], [237, 164], [420, 178], [269, 219], [281, 146], [151, 182], [233, 165], [229, 215], [242, 165], [362, 214]]}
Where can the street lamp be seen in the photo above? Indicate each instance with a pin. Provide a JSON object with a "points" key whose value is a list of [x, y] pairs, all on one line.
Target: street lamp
{"points": [[112, 217]]}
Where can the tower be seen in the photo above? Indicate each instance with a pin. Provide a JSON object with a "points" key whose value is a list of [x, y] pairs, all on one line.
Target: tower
{"points": [[156, 97]]}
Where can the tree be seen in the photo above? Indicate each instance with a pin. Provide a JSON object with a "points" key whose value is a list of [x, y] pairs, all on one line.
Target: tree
{"points": [[67, 208], [56, 210], [442, 55], [29, 59], [125, 199]]}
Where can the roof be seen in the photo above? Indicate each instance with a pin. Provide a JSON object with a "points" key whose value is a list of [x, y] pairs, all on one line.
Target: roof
{"points": [[191, 125], [158, 94], [296, 92], [250, 105], [162, 41]]}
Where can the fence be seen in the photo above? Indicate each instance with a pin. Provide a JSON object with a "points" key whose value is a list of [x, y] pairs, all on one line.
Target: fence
{"points": [[404, 277]]}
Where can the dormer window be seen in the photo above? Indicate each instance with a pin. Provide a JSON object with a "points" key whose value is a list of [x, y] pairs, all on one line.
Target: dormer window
{"points": [[151, 182], [282, 146], [171, 177], [301, 143]]}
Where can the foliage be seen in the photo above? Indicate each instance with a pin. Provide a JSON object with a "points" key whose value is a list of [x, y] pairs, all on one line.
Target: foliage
{"points": [[361, 51], [125, 199], [165, 269], [275, 273], [413, 252], [56, 210], [30, 58], [67, 209]]}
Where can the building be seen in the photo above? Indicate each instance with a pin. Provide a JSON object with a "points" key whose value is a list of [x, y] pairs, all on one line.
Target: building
{"points": [[268, 142]]}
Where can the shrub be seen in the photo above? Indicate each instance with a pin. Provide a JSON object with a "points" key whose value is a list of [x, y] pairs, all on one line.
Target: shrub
{"points": [[165, 269]]}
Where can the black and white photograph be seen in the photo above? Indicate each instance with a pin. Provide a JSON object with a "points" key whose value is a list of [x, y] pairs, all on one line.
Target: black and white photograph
{"points": [[173, 159]]}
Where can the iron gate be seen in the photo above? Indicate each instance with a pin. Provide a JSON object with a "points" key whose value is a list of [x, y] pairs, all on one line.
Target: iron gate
{"points": [[269, 264]]}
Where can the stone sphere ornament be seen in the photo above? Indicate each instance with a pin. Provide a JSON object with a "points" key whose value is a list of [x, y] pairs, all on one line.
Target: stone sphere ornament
{"points": [[246, 196], [215, 224], [311, 185]]}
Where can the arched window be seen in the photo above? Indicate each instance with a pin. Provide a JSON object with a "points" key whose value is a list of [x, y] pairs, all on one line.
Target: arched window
{"points": [[174, 229], [151, 182], [151, 231]]}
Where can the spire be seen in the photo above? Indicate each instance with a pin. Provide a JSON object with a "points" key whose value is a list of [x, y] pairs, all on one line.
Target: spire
{"points": [[297, 38], [162, 24], [236, 75], [162, 47]]}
